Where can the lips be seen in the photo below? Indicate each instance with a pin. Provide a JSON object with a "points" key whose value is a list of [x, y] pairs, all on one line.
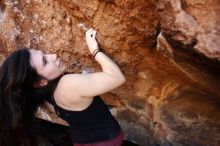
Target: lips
{"points": [[58, 62]]}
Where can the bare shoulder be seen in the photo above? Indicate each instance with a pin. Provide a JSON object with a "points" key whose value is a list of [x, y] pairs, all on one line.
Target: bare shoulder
{"points": [[69, 80], [66, 88], [66, 94]]}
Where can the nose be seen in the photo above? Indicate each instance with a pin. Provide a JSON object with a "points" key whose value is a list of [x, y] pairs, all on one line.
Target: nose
{"points": [[53, 56]]}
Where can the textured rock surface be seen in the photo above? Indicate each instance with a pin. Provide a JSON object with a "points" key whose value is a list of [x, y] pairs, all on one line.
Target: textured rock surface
{"points": [[168, 50], [192, 24]]}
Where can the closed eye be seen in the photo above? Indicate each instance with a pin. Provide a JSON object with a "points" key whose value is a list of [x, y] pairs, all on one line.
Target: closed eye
{"points": [[44, 60]]}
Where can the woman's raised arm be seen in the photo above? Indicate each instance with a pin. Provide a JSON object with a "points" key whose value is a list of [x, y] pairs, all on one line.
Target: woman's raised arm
{"points": [[89, 85]]}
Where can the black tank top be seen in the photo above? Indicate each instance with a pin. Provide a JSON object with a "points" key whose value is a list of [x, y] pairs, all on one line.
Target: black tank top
{"points": [[93, 124]]}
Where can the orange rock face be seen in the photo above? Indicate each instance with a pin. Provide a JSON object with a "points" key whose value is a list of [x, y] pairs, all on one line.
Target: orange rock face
{"points": [[192, 25], [167, 49]]}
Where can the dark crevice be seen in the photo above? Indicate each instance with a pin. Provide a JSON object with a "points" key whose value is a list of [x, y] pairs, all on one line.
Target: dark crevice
{"points": [[155, 35], [108, 2], [2, 6], [186, 52], [183, 4], [178, 44]]}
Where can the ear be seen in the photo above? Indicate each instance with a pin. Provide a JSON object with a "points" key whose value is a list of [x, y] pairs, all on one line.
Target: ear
{"points": [[41, 83]]}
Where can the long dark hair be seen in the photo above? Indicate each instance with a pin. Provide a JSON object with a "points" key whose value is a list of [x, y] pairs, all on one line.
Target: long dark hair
{"points": [[18, 99]]}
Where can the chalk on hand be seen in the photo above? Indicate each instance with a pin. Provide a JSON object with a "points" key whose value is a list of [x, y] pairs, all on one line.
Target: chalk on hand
{"points": [[82, 26]]}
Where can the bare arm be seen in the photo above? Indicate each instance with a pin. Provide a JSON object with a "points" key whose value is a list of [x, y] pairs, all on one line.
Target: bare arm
{"points": [[89, 85]]}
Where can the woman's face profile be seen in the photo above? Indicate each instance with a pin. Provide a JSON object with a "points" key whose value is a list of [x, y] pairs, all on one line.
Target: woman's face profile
{"points": [[48, 66]]}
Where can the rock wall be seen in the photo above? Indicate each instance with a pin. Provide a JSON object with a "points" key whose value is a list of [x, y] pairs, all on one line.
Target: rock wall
{"points": [[168, 50]]}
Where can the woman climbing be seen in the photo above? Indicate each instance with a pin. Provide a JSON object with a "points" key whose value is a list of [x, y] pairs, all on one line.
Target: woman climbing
{"points": [[29, 75]]}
